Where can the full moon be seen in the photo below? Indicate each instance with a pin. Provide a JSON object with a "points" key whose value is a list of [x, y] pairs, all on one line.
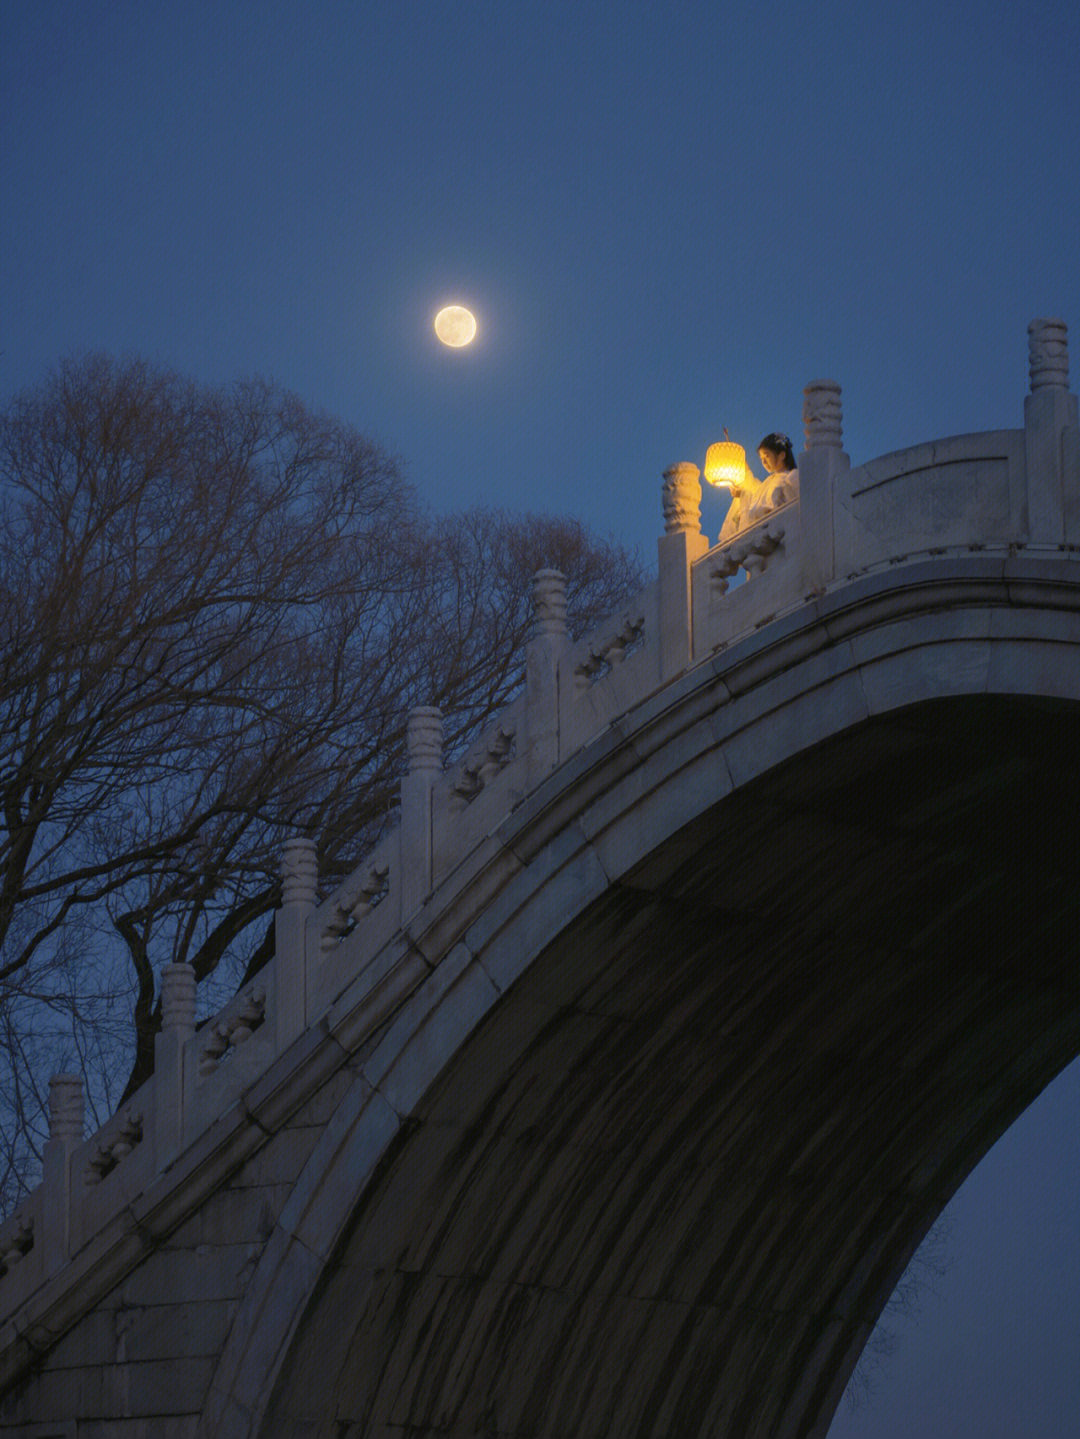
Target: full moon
{"points": [[455, 326]]}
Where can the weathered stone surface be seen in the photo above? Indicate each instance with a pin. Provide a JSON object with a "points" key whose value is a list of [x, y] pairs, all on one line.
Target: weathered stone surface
{"points": [[600, 1210], [104, 1388], [562, 879], [436, 1028]]}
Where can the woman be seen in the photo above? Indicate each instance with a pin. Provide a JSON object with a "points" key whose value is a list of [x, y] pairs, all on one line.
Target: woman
{"points": [[754, 499]]}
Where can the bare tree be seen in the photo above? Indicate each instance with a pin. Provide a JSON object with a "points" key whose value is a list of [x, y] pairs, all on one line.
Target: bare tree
{"points": [[216, 608]]}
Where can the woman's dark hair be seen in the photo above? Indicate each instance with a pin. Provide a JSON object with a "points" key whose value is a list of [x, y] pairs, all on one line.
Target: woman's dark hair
{"points": [[778, 444]]}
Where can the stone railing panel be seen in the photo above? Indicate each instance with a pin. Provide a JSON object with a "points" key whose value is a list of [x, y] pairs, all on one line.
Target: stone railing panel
{"points": [[487, 757], [957, 491], [352, 905], [118, 1137], [21, 1251], [769, 555], [354, 923], [112, 1166], [478, 791], [229, 1051], [609, 670]]}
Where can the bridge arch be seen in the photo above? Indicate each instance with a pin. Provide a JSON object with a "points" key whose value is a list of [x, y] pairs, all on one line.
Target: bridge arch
{"points": [[637, 1057], [908, 755]]}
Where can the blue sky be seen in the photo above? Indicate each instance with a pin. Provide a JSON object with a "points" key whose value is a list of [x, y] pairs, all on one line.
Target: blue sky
{"points": [[668, 218]]}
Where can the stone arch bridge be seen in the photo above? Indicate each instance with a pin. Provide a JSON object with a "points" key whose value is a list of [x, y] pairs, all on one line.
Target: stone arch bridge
{"points": [[613, 1093]]}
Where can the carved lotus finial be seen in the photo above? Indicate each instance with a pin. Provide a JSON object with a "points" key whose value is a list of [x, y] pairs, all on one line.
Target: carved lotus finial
{"points": [[66, 1107], [299, 872], [680, 496], [178, 997], [1048, 354], [425, 739], [823, 416], [549, 602]]}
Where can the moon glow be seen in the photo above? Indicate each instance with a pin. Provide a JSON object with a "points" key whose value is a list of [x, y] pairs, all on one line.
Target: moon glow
{"points": [[455, 326]]}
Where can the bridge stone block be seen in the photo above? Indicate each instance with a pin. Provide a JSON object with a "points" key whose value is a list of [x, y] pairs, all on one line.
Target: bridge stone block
{"points": [[1019, 667], [792, 718], [481, 874], [139, 1334], [221, 1414], [296, 1252], [428, 1029], [1033, 628], [957, 667], [182, 1273], [595, 767], [155, 1390], [271, 1101], [770, 652], [663, 791], [390, 977], [164, 1426], [661, 718], [560, 880], [912, 633], [358, 1132], [231, 1215]]}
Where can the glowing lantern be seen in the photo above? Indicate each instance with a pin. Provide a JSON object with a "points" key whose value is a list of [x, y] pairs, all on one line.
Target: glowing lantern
{"points": [[725, 462]]}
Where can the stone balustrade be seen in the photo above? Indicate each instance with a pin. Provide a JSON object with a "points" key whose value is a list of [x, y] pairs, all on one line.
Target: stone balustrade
{"points": [[1002, 490], [113, 1142], [367, 887], [226, 1053], [18, 1234], [610, 647], [486, 759], [233, 1027], [751, 550]]}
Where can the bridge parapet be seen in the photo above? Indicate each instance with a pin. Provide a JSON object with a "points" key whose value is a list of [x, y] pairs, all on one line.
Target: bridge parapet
{"points": [[1005, 489], [22, 1249]]}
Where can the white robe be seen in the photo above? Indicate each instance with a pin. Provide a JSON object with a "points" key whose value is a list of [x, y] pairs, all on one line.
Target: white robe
{"points": [[757, 499]]}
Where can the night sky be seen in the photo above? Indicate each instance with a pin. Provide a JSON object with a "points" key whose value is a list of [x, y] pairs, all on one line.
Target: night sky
{"points": [[668, 218]]}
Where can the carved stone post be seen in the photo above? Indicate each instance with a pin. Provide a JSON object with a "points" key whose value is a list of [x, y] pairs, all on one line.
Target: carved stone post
{"points": [[1050, 438], [547, 644], [821, 466], [177, 1026], [299, 892], [65, 1133], [678, 547], [425, 750], [1048, 355]]}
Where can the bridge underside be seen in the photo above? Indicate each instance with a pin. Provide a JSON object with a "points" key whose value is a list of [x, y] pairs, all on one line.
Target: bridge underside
{"points": [[673, 1178]]}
